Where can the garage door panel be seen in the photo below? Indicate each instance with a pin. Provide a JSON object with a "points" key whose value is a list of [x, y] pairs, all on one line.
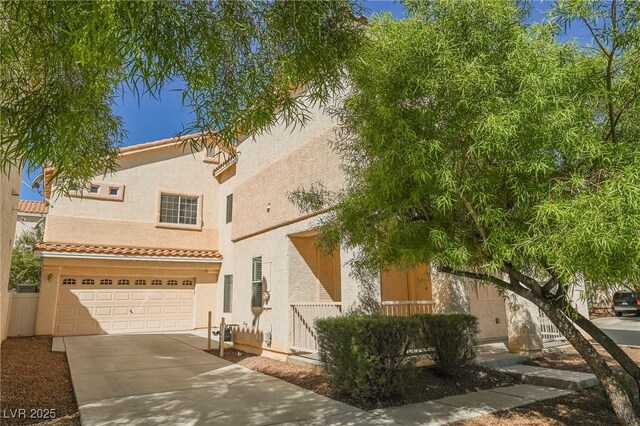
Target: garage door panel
{"points": [[186, 295], [154, 310], [84, 326], [105, 296], [119, 325], [138, 325], [154, 324], [86, 296], [169, 323], [170, 309], [66, 311], [123, 310], [184, 323], [85, 312], [103, 311]]}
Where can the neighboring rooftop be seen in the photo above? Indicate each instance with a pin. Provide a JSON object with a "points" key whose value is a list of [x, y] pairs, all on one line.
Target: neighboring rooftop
{"points": [[28, 206], [125, 251]]}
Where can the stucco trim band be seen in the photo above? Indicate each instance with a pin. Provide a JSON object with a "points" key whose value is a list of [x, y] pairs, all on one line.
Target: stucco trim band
{"points": [[281, 224]]}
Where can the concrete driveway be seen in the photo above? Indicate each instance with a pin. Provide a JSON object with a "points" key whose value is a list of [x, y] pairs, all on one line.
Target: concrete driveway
{"points": [[624, 330], [169, 380]]}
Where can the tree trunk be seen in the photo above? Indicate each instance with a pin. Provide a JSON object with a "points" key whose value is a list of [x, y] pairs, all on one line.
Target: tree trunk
{"points": [[609, 345], [618, 397]]}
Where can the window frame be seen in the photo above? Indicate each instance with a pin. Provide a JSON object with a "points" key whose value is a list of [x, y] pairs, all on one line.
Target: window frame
{"points": [[199, 200], [227, 295], [229, 208], [257, 282]]}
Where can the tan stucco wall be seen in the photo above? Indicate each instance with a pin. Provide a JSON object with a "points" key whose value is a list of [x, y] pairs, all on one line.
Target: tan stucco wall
{"points": [[206, 275], [268, 167], [132, 222], [96, 231], [9, 194], [261, 201], [275, 248]]}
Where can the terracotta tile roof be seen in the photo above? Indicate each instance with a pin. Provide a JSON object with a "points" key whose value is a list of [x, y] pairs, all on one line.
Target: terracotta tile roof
{"points": [[133, 251], [157, 144], [26, 206]]}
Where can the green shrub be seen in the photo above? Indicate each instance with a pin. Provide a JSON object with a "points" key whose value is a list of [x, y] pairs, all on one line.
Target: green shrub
{"points": [[366, 356], [448, 339]]}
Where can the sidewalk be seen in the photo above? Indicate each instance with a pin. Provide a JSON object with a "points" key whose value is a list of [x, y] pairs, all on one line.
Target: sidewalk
{"points": [[461, 407]]}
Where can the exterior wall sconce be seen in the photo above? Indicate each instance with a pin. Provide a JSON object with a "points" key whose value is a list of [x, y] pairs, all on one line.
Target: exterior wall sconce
{"points": [[50, 277]]}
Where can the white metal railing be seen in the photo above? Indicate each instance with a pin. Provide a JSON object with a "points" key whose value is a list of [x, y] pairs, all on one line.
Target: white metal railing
{"points": [[551, 336], [405, 308], [303, 317]]}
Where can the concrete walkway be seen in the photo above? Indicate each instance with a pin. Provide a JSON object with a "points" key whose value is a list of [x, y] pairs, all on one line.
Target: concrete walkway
{"points": [[169, 380], [461, 407]]}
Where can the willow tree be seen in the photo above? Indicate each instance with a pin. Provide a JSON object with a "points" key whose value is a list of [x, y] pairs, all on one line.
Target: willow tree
{"points": [[65, 62], [491, 149]]}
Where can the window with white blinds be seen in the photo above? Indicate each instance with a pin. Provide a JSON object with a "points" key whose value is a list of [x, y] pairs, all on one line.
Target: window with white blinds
{"points": [[256, 282]]}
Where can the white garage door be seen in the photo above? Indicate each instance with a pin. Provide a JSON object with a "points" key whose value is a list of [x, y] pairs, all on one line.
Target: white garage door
{"points": [[110, 305]]}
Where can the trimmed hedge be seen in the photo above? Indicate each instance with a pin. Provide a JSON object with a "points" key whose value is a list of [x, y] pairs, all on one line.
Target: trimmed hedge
{"points": [[366, 356], [448, 339]]}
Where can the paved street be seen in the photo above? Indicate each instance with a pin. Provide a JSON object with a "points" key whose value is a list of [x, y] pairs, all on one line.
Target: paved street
{"points": [[624, 330]]}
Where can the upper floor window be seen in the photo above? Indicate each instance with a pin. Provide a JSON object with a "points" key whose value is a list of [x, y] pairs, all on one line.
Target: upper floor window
{"points": [[180, 209], [229, 207], [94, 189], [113, 191]]}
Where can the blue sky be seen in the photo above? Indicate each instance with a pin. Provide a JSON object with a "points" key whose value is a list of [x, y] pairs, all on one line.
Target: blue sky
{"points": [[152, 119]]}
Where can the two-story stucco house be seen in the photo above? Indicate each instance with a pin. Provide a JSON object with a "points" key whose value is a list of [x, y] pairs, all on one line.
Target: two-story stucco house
{"points": [[174, 234], [136, 251]]}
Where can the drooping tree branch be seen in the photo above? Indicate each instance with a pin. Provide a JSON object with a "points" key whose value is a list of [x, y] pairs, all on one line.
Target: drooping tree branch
{"points": [[550, 284], [524, 279], [477, 276]]}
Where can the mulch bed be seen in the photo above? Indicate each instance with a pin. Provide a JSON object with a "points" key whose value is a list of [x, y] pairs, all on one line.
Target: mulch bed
{"points": [[34, 378], [429, 383]]}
